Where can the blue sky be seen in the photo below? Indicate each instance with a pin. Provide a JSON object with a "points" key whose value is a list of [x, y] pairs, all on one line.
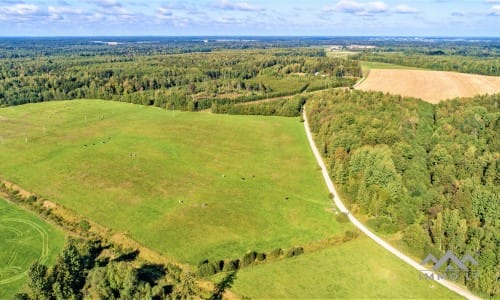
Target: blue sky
{"points": [[250, 17]]}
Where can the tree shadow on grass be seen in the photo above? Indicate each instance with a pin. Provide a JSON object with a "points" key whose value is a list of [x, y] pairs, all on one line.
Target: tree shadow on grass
{"points": [[221, 287], [129, 256], [151, 273]]}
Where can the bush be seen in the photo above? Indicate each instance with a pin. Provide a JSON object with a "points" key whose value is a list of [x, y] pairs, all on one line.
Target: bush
{"points": [[207, 269], [249, 258], [383, 225], [219, 266], [342, 218], [261, 256], [295, 251], [84, 225], [350, 235], [231, 265], [276, 253]]}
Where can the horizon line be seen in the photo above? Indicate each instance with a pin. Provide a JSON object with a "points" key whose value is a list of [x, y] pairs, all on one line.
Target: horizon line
{"points": [[254, 35]]}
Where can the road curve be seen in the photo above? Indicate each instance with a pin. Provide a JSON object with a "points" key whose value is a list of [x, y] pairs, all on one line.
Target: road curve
{"points": [[338, 202]]}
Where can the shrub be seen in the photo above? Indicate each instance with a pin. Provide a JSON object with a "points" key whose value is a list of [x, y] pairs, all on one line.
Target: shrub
{"points": [[350, 235], [31, 199], [295, 251], [261, 256], [207, 269], [342, 218], [231, 265], [276, 253], [219, 266], [249, 258], [84, 225]]}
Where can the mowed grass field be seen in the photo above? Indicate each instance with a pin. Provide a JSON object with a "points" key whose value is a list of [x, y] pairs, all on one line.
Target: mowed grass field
{"points": [[431, 86], [359, 269], [189, 185], [24, 238]]}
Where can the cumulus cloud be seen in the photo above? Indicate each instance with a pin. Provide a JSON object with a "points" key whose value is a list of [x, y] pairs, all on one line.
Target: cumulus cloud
{"points": [[405, 9], [241, 6], [19, 9], [106, 3], [61, 12], [495, 10], [164, 12], [356, 8], [369, 8]]}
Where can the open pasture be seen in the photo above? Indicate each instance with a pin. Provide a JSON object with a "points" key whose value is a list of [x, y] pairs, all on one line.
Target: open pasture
{"points": [[359, 269], [189, 185]]}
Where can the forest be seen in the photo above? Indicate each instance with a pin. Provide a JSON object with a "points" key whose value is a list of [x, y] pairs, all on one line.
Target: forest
{"points": [[484, 63], [427, 172], [396, 161], [190, 81]]}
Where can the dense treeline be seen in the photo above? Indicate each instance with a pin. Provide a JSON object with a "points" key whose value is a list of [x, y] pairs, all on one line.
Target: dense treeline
{"points": [[87, 269], [182, 81], [290, 107], [431, 172], [33, 47], [93, 267], [439, 60]]}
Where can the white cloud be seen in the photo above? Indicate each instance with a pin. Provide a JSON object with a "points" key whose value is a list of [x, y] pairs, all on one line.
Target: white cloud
{"points": [[356, 8], [20, 9], [64, 10], [405, 9], [241, 6], [58, 13], [369, 8], [492, 1], [495, 10], [106, 3], [164, 12]]}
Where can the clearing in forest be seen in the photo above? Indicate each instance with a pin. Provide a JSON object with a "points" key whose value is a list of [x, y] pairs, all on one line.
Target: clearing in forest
{"points": [[189, 185]]}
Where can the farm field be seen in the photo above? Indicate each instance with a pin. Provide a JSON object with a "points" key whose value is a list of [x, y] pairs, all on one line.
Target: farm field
{"points": [[366, 66], [357, 269], [24, 239], [431, 86], [172, 180]]}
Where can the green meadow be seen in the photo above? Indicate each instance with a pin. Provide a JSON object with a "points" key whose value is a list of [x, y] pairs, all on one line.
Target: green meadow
{"points": [[359, 269], [24, 239], [189, 185]]}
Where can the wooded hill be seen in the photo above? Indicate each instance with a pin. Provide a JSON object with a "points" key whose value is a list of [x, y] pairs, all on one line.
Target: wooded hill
{"points": [[428, 171]]}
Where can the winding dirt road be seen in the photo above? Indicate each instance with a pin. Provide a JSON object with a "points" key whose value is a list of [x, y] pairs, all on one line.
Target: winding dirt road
{"points": [[338, 202]]}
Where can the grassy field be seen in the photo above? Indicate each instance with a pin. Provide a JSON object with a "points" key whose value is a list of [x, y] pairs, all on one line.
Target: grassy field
{"points": [[24, 239], [431, 86], [189, 185], [366, 66], [359, 269]]}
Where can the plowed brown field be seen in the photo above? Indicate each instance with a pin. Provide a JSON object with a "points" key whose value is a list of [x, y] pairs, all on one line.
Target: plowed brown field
{"points": [[431, 86]]}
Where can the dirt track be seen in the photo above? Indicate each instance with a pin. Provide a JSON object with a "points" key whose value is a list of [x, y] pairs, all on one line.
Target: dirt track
{"points": [[343, 209], [431, 86]]}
